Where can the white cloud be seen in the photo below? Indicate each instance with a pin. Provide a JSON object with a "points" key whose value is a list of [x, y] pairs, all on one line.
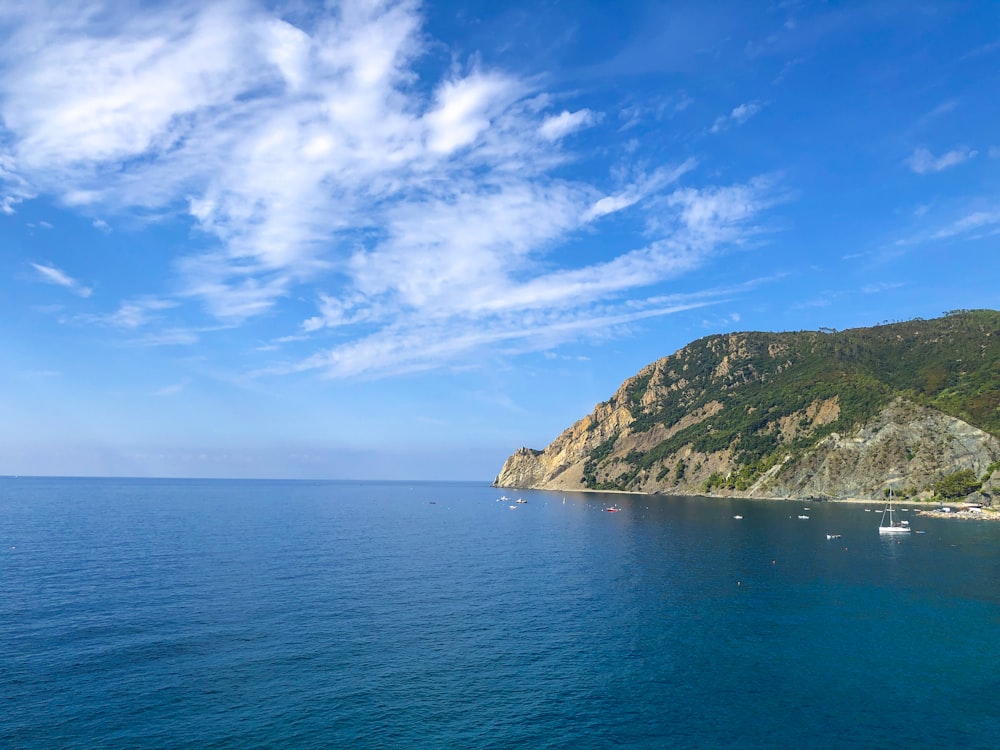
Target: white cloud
{"points": [[102, 226], [465, 108], [744, 112], [396, 351], [739, 115], [642, 187], [452, 252], [556, 127], [13, 187], [79, 97], [136, 313], [975, 221], [611, 204], [53, 275], [424, 213], [714, 216], [478, 310], [922, 161], [971, 225]]}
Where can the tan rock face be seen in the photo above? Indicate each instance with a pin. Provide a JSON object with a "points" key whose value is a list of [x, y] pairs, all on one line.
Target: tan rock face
{"points": [[906, 446], [751, 414]]}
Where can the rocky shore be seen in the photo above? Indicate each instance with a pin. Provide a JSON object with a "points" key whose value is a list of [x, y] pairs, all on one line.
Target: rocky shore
{"points": [[970, 513]]}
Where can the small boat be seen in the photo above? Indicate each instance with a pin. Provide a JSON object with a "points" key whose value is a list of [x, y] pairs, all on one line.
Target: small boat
{"points": [[738, 518], [806, 518], [893, 526], [833, 536], [613, 509], [521, 500]]}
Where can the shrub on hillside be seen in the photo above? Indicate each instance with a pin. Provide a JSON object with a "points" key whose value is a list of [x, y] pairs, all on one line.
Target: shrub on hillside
{"points": [[958, 484]]}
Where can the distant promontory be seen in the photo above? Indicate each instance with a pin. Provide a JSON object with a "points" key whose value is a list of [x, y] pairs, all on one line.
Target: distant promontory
{"points": [[807, 414]]}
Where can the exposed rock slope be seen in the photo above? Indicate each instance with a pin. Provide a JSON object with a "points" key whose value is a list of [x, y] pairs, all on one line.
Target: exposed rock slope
{"points": [[791, 415]]}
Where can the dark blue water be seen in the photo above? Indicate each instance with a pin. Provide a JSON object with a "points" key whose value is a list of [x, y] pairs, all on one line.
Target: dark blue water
{"points": [[214, 614]]}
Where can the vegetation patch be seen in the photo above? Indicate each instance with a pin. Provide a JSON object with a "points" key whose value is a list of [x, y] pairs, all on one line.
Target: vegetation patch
{"points": [[958, 484]]}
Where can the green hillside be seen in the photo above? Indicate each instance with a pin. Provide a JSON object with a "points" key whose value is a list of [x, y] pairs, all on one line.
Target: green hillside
{"points": [[759, 379]]}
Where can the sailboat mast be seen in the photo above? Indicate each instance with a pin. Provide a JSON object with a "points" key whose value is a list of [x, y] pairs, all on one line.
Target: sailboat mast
{"points": [[887, 509]]}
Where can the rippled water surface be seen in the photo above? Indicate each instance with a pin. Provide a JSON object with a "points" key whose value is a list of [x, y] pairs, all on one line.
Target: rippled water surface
{"points": [[229, 614]]}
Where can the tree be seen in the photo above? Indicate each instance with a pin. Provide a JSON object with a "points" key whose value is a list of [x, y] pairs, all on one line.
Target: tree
{"points": [[958, 484]]}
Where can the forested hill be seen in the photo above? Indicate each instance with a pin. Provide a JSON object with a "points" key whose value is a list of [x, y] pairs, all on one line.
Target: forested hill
{"points": [[838, 413]]}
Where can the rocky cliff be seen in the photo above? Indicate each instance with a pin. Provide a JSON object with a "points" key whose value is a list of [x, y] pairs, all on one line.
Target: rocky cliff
{"points": [[802, 414]]}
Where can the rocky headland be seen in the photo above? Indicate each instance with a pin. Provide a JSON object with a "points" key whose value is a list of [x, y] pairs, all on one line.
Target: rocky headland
{"points": [[832, 415]]}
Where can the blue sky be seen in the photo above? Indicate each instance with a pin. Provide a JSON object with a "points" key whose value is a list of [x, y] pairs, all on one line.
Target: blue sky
{"points": [[370, 239]]}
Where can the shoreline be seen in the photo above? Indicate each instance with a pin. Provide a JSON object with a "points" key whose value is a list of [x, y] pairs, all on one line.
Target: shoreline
{"points": [[960, 510]]}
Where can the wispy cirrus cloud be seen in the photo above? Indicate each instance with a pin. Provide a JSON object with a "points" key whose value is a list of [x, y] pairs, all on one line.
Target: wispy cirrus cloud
{"points": [[971, 226], [739, 115], [135, 313], [974, 221], [483, 314], [406, 349], [53, 275], [923, 161], [13, 187], [424, 213], [637, 189]]}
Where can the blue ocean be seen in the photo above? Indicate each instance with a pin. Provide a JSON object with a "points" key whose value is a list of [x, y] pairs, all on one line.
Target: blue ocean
{"points": [[273, 614]]}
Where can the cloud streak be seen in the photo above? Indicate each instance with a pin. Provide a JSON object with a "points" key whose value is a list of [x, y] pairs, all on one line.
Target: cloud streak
{"points": [[53, 275], [922, 161], [561, 125], [739, 115]]}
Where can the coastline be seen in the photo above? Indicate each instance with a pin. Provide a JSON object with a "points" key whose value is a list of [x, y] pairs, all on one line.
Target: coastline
{"points": [[966, 513], [960, 510]]}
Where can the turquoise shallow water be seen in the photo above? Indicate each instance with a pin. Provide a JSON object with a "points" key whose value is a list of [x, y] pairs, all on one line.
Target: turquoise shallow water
{"points": [[215, 614]]}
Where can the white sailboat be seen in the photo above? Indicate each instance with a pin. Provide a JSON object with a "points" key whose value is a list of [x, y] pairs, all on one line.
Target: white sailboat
{"points": [[893, 526]]}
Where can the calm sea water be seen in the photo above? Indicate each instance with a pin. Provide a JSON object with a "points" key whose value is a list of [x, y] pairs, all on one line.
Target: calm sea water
{"points": [[229, 614]]}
